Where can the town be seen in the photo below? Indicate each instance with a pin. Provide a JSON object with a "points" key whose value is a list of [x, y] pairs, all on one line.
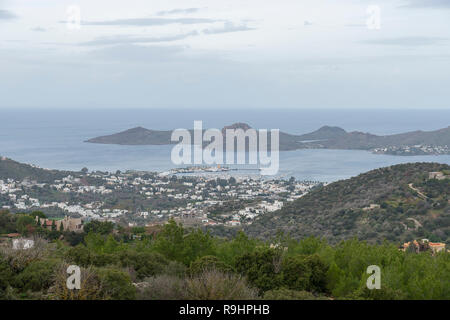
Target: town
{"points": [[145, 198], [413, 150]]}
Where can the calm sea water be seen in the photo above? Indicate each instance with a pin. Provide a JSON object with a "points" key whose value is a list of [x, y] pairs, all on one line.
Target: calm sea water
{"points": [[54, 138]]}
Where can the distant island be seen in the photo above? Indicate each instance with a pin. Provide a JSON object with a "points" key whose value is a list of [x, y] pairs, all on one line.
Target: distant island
{"points": [[405, 144]]}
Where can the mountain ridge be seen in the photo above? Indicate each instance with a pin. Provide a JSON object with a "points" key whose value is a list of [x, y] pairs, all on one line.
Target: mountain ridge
{"points": [[326, 137]]}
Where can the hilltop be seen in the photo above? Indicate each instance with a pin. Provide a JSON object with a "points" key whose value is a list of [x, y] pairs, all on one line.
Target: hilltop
{"points": [[135, 136], [397, 203], [327, 137], [10, 169]]}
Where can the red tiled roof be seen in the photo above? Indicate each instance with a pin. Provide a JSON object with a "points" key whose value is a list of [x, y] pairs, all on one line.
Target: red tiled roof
{"points": [[13, 235], [436, 244]]}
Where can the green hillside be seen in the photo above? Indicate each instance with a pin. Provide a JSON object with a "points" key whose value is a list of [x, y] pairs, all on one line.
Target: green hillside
{"points": [[10, 169], [410, 204]]}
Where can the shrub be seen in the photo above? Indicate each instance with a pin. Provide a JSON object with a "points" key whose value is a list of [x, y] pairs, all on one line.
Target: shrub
{"points": [[6, 276], [318, 275], [174, 268], [103, 259], [74, 238], [261, 268], [215, 285], [20, 259], [145, 264], [208, 263], [384, 293], [116, 284], [296, 273], [90, 285], [37, 276], [161, 287], [286, 294]]}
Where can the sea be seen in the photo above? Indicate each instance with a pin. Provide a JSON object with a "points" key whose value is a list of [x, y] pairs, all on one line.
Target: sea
{"points": [[54, 138]]}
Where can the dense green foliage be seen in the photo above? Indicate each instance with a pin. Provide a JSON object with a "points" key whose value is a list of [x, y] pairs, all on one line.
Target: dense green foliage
{"points": [[176, 263]]}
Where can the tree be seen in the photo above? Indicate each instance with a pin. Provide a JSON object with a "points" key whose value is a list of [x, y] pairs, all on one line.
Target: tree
{"points": [[196, 244], [7, 222], [259, 268], [39, 214], [229, 251], [170, 242], [99, 227], [296, 273], [333, 276], [79, 255], [22, 223]]}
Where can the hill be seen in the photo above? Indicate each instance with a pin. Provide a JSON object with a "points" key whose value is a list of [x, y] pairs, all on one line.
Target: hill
{"points": [[406, 205], [360, 140], [432, 142], [10, 169], [135, 136]]}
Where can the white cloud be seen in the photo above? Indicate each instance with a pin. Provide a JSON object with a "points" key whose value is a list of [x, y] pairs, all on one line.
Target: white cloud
{"points": [[187, 56], [7, 15]]}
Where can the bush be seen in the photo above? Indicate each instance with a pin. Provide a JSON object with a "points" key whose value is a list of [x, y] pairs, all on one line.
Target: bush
{"points": [[37, 276], [116, 284], [145, 264], [384, 293], [261, 268], [286, 294], [318, 275], [74, 238], [209, 285], [104, 259], [208, 263], [296, 273], [174, 268], [215, 285], [90, 285], [96, 284], [162, 287], [20, 259], [6, 276]]}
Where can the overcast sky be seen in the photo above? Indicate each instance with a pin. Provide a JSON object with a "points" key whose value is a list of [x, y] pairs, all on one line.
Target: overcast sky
{"points": [[225, 54]]}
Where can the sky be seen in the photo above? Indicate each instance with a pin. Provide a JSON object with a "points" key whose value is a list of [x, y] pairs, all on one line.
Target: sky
{"points": [[225, 54]]}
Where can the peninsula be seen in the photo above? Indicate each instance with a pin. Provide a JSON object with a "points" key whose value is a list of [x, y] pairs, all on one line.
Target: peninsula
{"points": [[327, 137]]}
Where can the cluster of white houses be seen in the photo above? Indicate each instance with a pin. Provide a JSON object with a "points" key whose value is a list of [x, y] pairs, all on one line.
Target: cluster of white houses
{"points": [[198, 194]]}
